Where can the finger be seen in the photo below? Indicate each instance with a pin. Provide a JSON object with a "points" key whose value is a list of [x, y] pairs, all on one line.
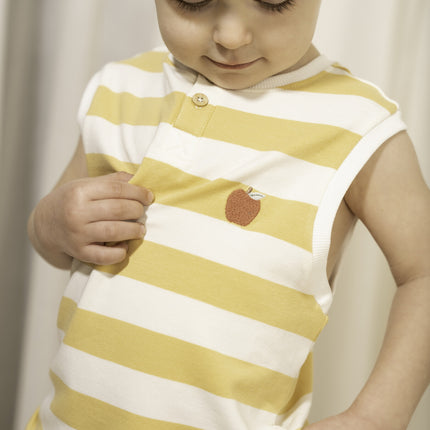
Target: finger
{"points": [[114, 231], [111, 188], [115, 210], [119, 176], [105, 255]]}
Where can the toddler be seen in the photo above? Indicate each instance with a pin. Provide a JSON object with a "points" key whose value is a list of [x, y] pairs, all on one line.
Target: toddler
{"points": [[202, 217]]}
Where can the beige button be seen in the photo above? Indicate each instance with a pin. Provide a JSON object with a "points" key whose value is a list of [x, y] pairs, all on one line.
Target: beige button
{"points": [[200, 100]]}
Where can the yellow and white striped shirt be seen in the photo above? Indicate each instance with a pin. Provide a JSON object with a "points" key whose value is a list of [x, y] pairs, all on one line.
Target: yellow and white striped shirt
{"points": [[210, 322]]}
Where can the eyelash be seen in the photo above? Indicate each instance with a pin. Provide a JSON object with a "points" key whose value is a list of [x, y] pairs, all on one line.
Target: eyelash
{"points": [[279, 7], [193, 7]]}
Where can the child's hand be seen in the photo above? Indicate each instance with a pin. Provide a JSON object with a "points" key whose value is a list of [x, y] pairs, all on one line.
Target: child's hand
{"points": [[77, 218]]}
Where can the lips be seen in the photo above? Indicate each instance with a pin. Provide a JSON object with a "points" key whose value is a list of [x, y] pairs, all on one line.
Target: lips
{"points": [[233, 66]]}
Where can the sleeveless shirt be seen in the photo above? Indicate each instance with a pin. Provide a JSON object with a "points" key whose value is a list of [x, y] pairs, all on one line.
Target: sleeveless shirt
{"points": [[210, 322]]}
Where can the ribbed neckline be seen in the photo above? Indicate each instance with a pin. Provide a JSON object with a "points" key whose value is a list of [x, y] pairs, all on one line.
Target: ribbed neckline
{"points": [[317, 65]]}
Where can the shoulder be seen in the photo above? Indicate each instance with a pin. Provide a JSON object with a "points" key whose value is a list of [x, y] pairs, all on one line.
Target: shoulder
{"points": [[338, 80], [146, 63], [140, 76], [361, 104], [391, 198], [151, 61]]}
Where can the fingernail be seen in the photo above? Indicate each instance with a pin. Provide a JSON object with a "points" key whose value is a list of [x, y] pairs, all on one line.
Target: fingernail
{"points": [[142, 230], [150, 196]]}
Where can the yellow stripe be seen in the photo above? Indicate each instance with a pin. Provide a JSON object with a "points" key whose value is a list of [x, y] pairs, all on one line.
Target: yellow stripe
{"points": [[103, 164], [287, 220], [304, 383], [34, 423], [83, 412], [149, 61], [339, 66], [331, 83], [173, 359], [324, 145], [126, 108], [66, 312], [223, 287]]}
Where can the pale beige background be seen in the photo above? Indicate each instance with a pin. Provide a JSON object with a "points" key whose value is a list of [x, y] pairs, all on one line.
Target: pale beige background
{"points": [[48, 51]]}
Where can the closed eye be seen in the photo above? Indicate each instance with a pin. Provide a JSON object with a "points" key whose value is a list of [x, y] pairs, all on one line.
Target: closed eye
{"points": [[276, 7]]}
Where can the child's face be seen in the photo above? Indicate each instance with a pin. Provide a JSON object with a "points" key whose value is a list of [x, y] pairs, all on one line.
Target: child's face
{"points": [[238, 43]]}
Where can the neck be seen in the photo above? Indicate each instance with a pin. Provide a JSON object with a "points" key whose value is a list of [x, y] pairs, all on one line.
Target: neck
{"points": [[310, 55]]}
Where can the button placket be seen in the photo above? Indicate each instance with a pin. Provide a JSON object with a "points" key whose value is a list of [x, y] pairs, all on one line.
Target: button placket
{"points": [[196, 110]]}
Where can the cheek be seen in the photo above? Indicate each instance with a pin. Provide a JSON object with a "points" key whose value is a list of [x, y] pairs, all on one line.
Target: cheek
{"points": [[280, 43], [293, 38], [182, 39]]}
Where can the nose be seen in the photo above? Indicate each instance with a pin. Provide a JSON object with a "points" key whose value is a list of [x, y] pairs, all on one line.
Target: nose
{"points": [[231, 31]]}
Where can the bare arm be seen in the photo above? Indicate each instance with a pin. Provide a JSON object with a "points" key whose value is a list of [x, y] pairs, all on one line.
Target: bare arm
{"points": [[80, 214], [391, 198], [402, 371]]}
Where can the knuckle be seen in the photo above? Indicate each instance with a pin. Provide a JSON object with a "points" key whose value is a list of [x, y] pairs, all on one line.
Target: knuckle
{"points": [[122, 175], [117, 189], [117, 210], [76, 194], [109, 230], [73, 219]]}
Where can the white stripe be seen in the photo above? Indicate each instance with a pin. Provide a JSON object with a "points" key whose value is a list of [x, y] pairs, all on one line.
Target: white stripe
{"points": [[125, 142], [153, 397], [48, 419], [356, 114], [125, 78], [87, 98], [270, 172], [277, 103], [78, 280], [199, 323], [121, 77], [80, 275], [226, 243]]}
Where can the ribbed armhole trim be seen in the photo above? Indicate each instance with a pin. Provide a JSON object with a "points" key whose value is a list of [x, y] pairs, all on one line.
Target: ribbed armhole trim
{"points": [[333, 196]]}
